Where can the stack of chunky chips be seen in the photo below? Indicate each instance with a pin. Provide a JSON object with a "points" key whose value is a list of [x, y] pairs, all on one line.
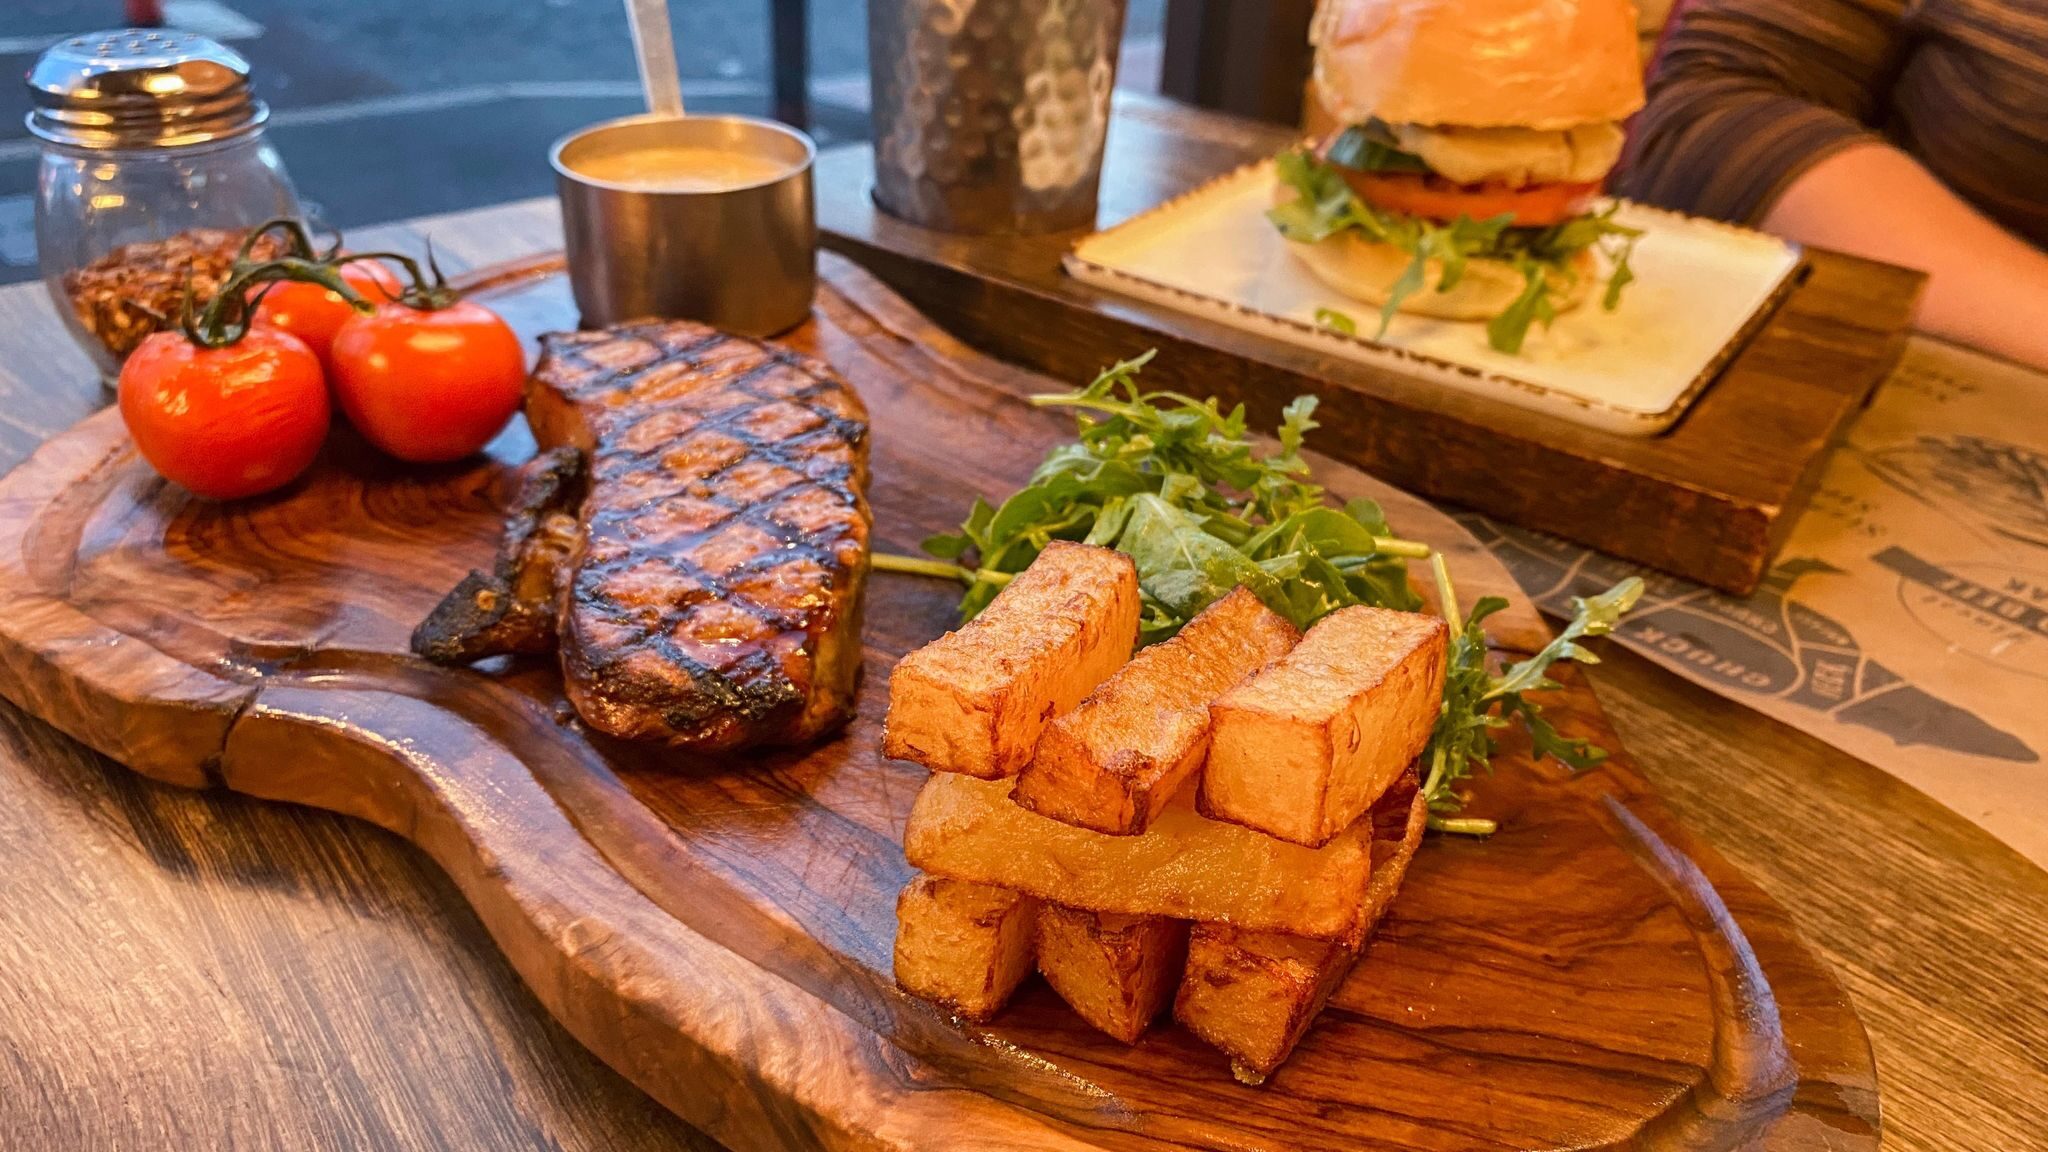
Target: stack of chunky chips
{"points": [[1217, 823]]}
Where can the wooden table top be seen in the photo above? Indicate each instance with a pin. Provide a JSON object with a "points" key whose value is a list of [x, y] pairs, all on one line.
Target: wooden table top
{"points": [[186, 970]]}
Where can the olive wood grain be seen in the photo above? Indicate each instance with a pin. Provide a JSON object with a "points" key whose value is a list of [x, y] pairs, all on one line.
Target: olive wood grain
{"points": [[1710, 500], [719, 931]]}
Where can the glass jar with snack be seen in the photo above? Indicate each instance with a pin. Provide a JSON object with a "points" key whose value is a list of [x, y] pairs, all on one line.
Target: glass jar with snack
{"points": [[154, 168]]}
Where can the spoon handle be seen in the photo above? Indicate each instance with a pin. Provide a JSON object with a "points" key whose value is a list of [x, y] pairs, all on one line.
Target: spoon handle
{"points": [[656, 49]]}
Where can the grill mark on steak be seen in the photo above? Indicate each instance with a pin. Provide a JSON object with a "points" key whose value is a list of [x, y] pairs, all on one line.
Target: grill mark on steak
{"points": [[715, 600]]}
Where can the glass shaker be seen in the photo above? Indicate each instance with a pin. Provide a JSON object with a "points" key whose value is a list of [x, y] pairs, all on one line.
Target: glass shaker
{"points": [[154, 167]]}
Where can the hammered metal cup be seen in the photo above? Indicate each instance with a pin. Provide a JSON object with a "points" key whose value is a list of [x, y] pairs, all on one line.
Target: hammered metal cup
{"points": [[743, 258], [990, 115]]}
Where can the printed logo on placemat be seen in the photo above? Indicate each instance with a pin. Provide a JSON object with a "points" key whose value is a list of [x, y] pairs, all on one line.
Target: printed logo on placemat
{"points": [[1768, 645], [1991, 611]]}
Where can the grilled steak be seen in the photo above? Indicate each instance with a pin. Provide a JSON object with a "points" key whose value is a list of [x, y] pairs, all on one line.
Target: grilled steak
{"points": [[512, 608], [713, 600]]}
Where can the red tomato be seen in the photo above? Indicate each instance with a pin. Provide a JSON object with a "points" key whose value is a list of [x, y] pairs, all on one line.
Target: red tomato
{"points": [[428, 386], [1536, 206], [225, 422], [314, 314]]}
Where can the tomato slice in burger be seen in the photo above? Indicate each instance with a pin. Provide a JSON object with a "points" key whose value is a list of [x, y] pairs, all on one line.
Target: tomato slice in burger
{"points": [[1536, 206]]}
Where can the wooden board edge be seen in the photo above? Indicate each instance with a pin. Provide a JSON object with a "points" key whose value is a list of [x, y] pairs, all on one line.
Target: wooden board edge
{"points": [[1879, 348], [1789, 1047], [107, 690]]}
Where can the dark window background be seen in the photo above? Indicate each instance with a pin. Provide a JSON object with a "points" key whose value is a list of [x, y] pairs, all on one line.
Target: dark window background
{"points": [[392, 108]]}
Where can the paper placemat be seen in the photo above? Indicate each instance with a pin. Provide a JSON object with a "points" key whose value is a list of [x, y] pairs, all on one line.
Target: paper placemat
{"points": [[1906, 622], [1701, 288]]}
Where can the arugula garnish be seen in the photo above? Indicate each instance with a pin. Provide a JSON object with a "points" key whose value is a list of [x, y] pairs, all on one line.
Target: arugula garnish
{"points": [[1325, 206], [1180, 486], [1476, 701], [1622, 276], [1507, 330], [1323, 203], [1336, 321]]}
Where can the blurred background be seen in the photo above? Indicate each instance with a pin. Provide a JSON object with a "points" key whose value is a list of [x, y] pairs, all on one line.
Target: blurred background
{"points": [[385, 109], [392, 108]]}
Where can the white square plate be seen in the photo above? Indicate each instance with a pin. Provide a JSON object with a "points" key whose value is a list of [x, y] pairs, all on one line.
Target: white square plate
{"points": [[1701, 288]]}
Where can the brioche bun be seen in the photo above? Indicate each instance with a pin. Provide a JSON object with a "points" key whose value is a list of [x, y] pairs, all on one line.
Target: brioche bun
{"points": [[1478, 63], [1364, 270]]}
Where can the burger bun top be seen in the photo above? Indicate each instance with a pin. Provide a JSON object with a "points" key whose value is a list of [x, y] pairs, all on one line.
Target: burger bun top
{"points": [[1546, 64]]}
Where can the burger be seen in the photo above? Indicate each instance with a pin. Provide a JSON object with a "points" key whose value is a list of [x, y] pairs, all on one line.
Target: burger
{"points": [[1474, 136]]}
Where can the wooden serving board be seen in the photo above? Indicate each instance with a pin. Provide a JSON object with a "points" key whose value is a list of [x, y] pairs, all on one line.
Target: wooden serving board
{"points": [[720, 931], [1710, 500]]}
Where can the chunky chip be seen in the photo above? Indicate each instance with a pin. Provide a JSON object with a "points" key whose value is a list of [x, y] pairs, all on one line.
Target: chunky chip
{"points": [[1113, 763], [1305, 747], [1116, 971], [975, 700], [1185, 866], [1254, 994], [964, 946]]}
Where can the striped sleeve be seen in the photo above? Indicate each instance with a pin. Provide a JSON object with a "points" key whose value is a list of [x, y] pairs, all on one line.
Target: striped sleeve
{"points": [[1748, 94]]}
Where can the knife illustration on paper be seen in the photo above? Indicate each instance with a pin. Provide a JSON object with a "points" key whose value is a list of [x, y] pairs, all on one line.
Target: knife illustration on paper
{"points": [[1768, 645]]}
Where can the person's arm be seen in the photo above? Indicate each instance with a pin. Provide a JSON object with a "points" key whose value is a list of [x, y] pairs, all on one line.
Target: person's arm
{"points": [[1986, 287], [1746, 95], [1758, 113]]}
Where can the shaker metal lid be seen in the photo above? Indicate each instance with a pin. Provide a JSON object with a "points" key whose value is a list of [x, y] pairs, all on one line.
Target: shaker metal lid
{"points": [[141, 87]]}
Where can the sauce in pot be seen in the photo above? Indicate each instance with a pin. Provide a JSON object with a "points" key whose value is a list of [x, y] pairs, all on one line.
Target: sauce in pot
{"points": [[682, 168]]}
